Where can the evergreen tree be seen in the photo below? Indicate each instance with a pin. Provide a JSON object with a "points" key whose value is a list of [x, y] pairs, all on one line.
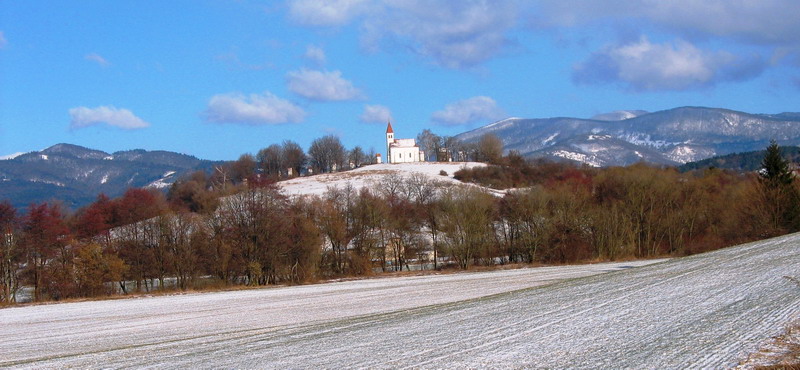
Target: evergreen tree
{"points": [[780, 195], [775, 170]]}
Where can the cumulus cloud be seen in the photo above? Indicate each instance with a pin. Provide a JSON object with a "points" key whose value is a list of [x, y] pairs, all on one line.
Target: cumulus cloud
{"points": [[316, 55], [463, 34], [375, 114], [645, 66], [454, 34], [94, 57], [326, 12], [84, 117], [761, 22], [321, 86], [468, 111], [253, 109], [3, 41]]}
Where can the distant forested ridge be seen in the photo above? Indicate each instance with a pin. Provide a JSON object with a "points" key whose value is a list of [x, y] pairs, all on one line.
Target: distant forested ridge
{"points": [[75, 175], [747, 161]]}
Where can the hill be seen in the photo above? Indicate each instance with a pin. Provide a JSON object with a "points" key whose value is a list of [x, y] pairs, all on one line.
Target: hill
{"points": [[75, 175], [372, 175], [669, 137]]}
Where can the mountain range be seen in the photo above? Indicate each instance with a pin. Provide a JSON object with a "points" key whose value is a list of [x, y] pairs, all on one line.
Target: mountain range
{"points": [[75, 175], [669, 137]]}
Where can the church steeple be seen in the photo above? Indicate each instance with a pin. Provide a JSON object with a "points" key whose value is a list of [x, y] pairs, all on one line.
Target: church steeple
{"points": [[389, 141]]}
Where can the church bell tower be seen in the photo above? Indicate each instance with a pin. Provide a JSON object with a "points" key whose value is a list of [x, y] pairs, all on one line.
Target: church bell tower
{"points": [[389, 141]]}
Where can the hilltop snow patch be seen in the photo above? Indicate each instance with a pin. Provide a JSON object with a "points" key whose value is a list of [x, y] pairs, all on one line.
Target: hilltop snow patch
{"points": [[371, 175]]}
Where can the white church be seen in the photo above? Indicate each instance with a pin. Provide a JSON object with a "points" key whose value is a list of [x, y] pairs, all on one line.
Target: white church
{"points": [[401, 150]]}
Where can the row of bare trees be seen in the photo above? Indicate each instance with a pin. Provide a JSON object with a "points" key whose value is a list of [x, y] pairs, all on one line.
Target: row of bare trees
{"points": [[488, 148], [254, 235], [286, 160]]}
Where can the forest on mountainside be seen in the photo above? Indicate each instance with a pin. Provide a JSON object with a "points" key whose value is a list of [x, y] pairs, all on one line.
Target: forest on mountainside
{"points": [[747, 161]]}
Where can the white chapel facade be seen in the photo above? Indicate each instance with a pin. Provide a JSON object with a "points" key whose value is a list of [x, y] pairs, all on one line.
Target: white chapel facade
{"points": [[401, 150]]}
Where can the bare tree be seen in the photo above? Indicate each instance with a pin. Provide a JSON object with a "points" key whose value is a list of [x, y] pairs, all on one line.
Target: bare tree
{"points": [[466, 219], [221, 177], [357, 158], [452, 148], [391, 186], [490, 148], [420, 189], [10, 254], [243, 168], [270, 159], [327, 154], [256, 225], [181, 236], [337, 222], [430, 144], [293, 157]]}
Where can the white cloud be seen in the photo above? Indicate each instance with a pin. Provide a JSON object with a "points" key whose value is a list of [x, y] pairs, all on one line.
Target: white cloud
{"points": [[322, 86], [3, 41], [645, 66], [466, 33], [468, 111], [316, 55], [454, 34], [375, 114], [761, 22], [110, 115], [94, 57], [253, 109], [326, 12]]}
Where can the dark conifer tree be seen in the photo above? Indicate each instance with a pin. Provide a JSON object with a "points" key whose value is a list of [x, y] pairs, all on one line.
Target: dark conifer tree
{"points": [[777, 181], [775, 169]]}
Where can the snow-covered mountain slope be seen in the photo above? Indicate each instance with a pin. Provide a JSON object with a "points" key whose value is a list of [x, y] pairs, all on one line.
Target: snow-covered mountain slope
{"points": [[598, 150], [76, 175], [677, 135]]}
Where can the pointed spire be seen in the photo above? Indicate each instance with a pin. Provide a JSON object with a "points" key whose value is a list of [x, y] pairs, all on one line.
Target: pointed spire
{"points": [[389, 129]]}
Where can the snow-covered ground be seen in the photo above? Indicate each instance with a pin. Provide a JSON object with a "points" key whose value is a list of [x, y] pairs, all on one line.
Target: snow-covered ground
{"points": [[129, 331], [705, 311], [371, 175]]}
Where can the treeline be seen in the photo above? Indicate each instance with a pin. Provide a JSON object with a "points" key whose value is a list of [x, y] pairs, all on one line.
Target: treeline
{"points": [[251, 234], [285, 160], [489, 148], [747, 161]]}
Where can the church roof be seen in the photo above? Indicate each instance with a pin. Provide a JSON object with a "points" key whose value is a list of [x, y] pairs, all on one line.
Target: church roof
{"points": [[389, 128], [403, 143]]}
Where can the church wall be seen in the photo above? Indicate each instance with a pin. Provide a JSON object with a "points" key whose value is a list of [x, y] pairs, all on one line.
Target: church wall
{"points": [[405, 155]]}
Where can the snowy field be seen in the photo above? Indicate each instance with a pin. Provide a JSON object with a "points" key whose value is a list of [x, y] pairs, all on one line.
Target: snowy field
{"points": [[706, 311], [371, 175]]}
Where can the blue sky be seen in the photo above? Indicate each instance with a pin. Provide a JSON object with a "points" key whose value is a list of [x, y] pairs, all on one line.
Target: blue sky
{"points": [[218, 78]]}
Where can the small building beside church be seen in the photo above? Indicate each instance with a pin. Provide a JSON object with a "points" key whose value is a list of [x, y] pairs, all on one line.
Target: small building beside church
{"points": [[401, 150]]}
